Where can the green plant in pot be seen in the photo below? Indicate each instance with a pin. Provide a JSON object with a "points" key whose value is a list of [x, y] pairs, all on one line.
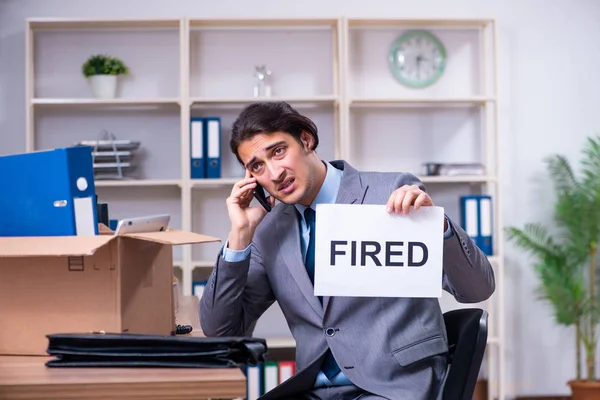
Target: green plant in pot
{"points": [[566, 255], [103, 72]]}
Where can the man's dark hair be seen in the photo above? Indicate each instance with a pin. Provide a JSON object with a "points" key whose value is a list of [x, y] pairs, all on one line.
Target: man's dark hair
{"points": [[270, 117]]}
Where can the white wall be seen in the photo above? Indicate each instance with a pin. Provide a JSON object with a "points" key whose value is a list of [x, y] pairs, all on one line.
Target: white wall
{"points": [[549, 102]]}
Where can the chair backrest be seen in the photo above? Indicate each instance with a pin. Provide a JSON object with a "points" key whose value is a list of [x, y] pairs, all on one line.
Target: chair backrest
{"points": [[467, 339]]}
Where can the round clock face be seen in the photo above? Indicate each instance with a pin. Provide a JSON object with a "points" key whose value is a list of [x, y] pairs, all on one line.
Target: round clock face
{"points": [[417, 59]]}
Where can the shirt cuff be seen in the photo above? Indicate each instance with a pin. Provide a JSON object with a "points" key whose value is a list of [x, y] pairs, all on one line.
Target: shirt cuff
{"points": [[449, 232], [235, 255]]}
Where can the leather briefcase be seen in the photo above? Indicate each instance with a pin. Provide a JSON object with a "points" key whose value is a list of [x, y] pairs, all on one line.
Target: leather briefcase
{"points": [[137, 350]]}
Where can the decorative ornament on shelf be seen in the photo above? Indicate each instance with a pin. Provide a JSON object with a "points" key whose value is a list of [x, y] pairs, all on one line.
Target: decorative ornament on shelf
{"points": [[103, 72], [417, 58], [262, 88]]}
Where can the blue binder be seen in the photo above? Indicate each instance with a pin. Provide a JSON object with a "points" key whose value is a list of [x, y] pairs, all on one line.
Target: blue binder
{"points": [[476, 220], [213, 147], [48, 193], [197, 148]]}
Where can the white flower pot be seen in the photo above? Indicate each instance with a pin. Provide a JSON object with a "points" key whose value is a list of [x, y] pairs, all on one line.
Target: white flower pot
{"points": [[104, 86]]}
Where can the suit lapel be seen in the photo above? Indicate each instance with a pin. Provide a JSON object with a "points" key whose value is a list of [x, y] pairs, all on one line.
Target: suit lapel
{"points": [[351, 192], [289, 244], [288, 234]]}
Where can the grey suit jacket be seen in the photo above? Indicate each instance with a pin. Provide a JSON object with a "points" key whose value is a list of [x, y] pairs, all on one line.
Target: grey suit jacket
{"points": [[392, 347]]}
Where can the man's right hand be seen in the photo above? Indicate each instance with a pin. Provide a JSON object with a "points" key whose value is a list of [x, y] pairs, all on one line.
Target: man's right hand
{"points": [[244, 219]]}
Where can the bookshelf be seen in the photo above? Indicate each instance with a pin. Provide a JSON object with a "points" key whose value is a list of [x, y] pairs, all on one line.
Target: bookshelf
{"points": [[192, 67], [452, 120]]}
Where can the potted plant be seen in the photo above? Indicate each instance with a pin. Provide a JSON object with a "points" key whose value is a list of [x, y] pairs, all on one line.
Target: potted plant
{"points": [[566, 254], [102, 72]]}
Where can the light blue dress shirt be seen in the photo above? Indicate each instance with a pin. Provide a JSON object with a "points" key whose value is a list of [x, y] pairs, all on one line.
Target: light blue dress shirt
{"points": [[327, 195]]}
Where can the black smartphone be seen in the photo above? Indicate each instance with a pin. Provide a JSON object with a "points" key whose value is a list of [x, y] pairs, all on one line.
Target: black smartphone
{"points": [[259, 194]]}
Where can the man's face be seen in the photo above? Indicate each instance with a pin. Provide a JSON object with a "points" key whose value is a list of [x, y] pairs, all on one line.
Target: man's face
{"points": [[281, 165]]}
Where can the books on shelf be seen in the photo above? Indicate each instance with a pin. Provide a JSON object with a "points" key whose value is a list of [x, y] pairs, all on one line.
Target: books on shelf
{"points": [[264, 377]]}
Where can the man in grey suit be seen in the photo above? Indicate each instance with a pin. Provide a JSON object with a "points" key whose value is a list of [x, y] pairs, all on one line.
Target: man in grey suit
{"points": [[346, 347]]}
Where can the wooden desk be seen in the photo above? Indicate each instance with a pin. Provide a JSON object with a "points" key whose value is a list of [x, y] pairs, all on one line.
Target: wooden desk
{"points": [[25, 377]]}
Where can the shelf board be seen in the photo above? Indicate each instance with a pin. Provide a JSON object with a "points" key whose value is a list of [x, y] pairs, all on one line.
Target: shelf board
{"points": [[117, 103], [434, 101], [137, 183], [458, 179], [262, 23], [281, 343], [197, 183], [420, 22], [240, 101], [203, 264], [210, 264], [84, 23]]}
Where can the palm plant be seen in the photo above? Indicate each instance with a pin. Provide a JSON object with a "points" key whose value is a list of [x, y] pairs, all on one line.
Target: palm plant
{"points": [[566, 253]]}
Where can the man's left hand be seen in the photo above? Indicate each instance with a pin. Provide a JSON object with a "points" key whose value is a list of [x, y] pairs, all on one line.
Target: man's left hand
{"points": [[403, 198]]}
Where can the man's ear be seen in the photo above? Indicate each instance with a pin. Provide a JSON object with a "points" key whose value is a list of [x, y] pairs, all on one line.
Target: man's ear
{"points": [[307, 140]]}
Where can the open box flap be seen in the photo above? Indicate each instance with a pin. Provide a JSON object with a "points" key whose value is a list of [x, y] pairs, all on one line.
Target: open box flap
{"points": [[43, 246], [173, 237]]}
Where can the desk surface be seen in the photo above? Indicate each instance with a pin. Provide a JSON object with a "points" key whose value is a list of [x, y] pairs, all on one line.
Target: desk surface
{"points": [[24, 377]]}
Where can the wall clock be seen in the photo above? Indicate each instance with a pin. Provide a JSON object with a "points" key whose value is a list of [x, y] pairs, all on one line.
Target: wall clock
{"points": [[417, 58]]}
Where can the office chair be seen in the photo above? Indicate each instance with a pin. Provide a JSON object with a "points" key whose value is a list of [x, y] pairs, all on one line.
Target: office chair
{"points": [[467, 338]]}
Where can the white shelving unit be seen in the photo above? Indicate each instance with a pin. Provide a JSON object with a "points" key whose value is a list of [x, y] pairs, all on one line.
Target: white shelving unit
{"points": [[453, 120], [333, 70]]}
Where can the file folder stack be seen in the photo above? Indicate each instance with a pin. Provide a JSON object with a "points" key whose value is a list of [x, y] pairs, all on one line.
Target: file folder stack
{"points": [[205, 147], [263, 378], [48, 193], [476, 220], [111, 157]]}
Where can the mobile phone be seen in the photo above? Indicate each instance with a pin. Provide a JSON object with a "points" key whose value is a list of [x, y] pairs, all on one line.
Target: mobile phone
{"points": [[259, 194]]}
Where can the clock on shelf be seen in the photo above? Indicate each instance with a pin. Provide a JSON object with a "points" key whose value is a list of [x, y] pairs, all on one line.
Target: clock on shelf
{"points": [[417, 58]]}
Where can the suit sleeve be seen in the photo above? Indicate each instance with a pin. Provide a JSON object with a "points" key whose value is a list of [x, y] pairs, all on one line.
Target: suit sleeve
{"points": [[467, 272], [236, 295]]}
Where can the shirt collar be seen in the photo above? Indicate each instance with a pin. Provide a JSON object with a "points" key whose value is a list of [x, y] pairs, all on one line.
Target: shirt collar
{"points": [[329, 190]]}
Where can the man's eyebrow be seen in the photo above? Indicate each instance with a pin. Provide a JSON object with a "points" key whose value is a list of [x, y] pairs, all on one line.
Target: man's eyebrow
{"points": [[269, 147]]}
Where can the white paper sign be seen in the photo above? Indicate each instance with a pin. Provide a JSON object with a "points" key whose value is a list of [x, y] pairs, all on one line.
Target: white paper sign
{"points": [[362, 250]]}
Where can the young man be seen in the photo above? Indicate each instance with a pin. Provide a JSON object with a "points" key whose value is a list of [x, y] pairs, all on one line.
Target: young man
{"points": [[346, 347]]}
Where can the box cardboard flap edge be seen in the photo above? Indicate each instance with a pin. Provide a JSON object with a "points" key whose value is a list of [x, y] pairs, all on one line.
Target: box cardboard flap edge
{"points": [[87, 245], [44, 246], [173, 236]]}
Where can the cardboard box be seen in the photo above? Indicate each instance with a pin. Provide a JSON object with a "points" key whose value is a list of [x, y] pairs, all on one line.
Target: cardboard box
{"points": [[78, 284]]}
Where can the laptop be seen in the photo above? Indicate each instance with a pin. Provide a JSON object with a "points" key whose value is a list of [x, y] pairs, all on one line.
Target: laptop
{"points": [[149, 223]]}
